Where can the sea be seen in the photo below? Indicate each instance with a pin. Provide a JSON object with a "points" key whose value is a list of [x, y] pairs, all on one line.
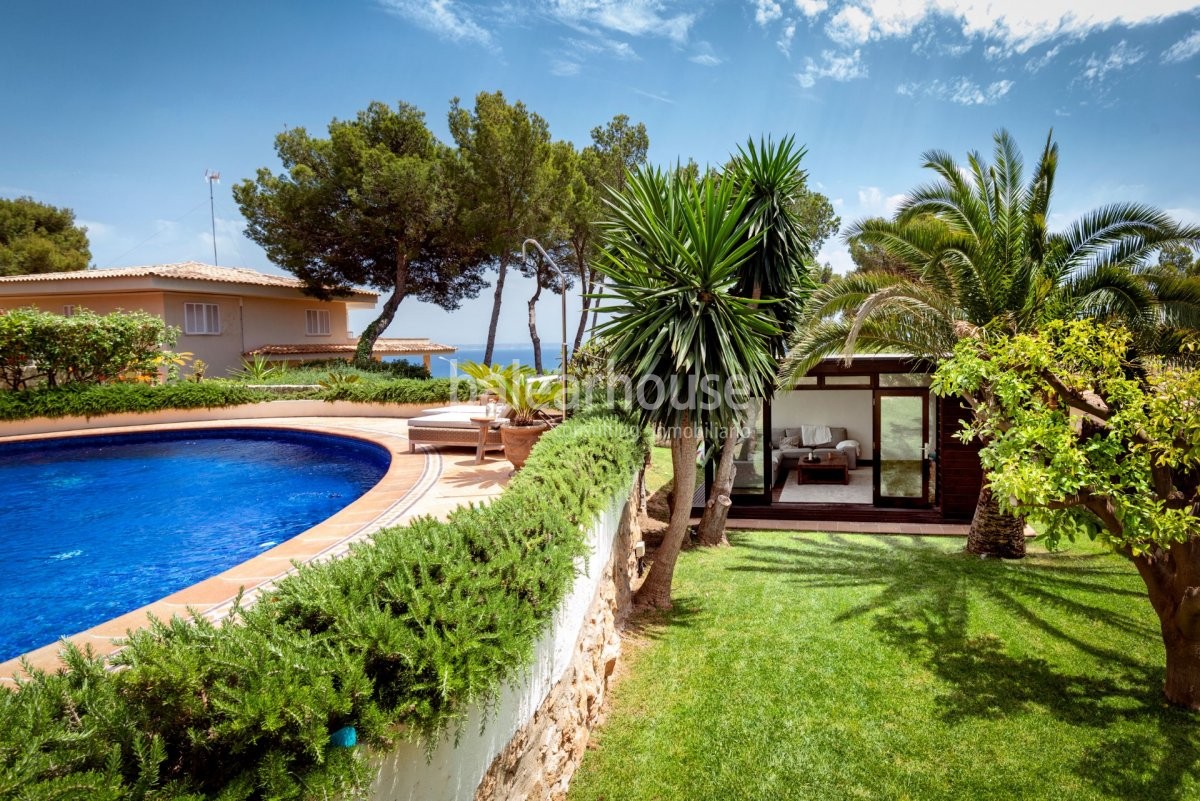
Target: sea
{"points": [[443, 366]]}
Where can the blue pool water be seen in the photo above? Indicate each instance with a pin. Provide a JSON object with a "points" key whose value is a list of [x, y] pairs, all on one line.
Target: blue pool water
{"points": [[93, 527]]}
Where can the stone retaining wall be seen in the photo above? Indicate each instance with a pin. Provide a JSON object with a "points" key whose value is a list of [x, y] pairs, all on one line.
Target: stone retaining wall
{"points": [[534, 738]]}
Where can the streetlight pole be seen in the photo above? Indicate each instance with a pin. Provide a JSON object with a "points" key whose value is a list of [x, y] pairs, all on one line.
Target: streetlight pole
{"points": [[563, 281]]}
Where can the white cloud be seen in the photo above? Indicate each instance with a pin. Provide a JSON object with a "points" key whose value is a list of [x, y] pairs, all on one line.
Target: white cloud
{"points": [[565, 68], [229, 236], [97, 230], [959, 90], [838, 67], [705, 56], [1184, 215], [811, 8], [767, 11], [1183, 49], [851, 25], [836, 255], [1035, 65], [660, 98], [1120, 57], [873, 202], [785, 38], [602, 45], [446, 18], [632, 17], [1013, 26]]}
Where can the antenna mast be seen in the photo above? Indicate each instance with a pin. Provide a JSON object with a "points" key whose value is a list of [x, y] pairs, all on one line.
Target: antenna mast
{"points": [[212, 177]]}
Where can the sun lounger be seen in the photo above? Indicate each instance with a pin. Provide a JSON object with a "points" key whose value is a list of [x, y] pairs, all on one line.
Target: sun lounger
{"points": [[455, 428]]}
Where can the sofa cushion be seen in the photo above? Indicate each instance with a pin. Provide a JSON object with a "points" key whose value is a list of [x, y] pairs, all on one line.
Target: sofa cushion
{"points": [[776, 437], [836, 434]]}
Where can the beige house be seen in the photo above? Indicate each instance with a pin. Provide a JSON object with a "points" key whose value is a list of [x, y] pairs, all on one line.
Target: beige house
{"points": [[224, 313]]}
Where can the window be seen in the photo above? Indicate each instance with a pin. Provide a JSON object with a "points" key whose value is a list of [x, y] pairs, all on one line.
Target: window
{"points": [[905, 380], [316, 322], [201, 318], [69, 310]]}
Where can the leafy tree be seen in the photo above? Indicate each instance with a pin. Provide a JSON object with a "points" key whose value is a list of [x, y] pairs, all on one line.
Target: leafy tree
{"points": [[504, 169], [672, 256], [617, 149], [775, 274], [871, 258], [1180, 259], [369, 205], [1096, 445], [39, 238], [976, 254], [560, 191], [816, 216]]}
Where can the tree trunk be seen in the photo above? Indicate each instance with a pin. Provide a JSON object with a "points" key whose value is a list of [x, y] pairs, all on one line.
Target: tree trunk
{"points": [[371, 334], [596, 287], [655, 591], [994, 532], [1172, 579], [716, 510], [501, 274], [587, 282], [533, 333]]}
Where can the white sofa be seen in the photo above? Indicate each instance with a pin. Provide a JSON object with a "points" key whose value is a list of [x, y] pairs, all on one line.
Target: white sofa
{"points": [[839, 441]]}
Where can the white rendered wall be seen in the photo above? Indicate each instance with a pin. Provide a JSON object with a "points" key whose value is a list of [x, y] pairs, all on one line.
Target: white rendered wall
{"points": [[455, 771], [849, 408], [249, 411]]}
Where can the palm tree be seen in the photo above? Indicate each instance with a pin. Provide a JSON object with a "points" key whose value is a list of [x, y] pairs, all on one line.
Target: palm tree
{"points": [[770, 176], [976, 256], [672, 256]]}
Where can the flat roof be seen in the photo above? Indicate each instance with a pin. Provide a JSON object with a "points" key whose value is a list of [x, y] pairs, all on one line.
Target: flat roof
{"points": [[395, 347]]}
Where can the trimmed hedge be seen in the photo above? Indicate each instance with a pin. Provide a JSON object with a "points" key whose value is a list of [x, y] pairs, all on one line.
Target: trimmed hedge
{"points": [[95, 400], [397, 639], [402, 390]]}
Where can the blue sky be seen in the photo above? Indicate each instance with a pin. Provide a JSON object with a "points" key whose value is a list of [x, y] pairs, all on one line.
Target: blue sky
{"points": [[117, 109]]}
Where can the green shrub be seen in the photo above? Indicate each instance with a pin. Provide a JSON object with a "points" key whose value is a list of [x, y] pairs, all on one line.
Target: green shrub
{"points": [[84, 348], [95, 400], [398, 638], [402, 390]]}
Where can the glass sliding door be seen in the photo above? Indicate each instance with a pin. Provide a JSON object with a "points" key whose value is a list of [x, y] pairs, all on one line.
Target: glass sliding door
{"points": [[753, 465], [901, 448]]}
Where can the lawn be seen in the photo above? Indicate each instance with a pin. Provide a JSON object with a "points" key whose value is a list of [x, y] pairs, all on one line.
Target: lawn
{"points": [[813, 666]]}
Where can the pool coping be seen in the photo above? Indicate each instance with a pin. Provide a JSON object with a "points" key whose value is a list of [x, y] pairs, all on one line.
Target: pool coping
{"points": [[405, 483]]}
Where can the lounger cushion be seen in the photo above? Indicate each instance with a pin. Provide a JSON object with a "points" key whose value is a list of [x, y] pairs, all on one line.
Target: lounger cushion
{"points": [[444, 420], [462, 408]]}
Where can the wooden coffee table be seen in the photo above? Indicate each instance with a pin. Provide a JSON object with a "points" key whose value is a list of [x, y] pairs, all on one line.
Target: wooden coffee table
{"points": [[828, 469]]}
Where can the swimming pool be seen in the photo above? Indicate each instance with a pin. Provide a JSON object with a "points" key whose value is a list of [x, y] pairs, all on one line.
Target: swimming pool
{"points": [[93, 527]]}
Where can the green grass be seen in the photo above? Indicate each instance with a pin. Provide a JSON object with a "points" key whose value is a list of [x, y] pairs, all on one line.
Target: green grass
{"points": [[659, 473], [813, 666]]}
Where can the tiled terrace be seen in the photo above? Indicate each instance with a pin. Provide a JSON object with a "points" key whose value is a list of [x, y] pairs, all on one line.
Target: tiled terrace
{"points": [[428, 482]]}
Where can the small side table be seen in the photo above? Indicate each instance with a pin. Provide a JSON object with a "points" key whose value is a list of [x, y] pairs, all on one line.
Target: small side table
{"points": [[485, 425]]}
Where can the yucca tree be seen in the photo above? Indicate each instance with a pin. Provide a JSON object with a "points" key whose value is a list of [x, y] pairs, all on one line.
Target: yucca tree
{"points": [[978, 256], [672, 255], [769, 174]]}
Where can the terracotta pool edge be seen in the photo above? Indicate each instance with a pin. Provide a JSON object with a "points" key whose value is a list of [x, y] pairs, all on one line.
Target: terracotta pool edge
{"points": [[406, 481]]}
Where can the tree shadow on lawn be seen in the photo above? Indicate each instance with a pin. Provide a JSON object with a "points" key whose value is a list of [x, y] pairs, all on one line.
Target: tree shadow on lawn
{"points": [[922, 604]]}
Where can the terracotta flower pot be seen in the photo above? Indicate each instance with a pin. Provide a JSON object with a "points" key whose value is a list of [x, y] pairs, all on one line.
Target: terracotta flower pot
{"points": [[519, 441]]}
